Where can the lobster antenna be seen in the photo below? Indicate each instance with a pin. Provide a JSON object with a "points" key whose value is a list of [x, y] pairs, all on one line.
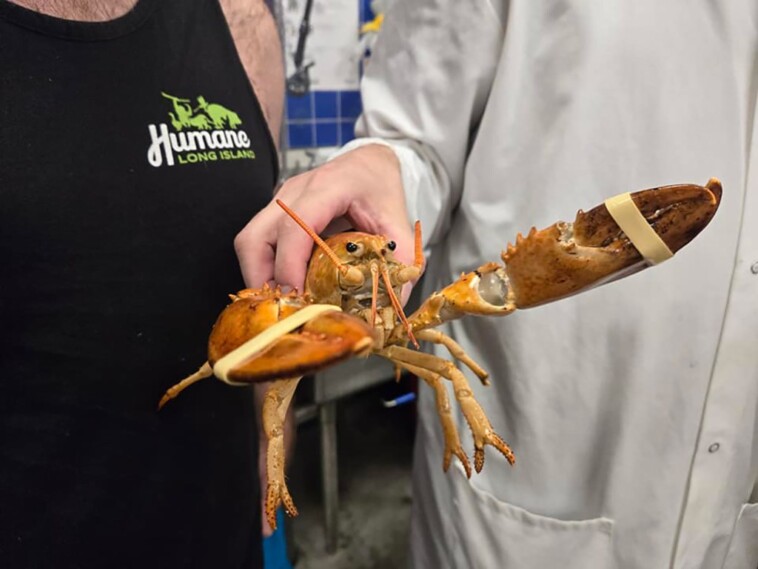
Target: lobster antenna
{"points": [[397, 306], [374, 292], [418, 260], [320, 242]]}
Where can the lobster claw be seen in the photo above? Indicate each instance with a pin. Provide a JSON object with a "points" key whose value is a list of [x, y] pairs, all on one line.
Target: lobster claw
{"points": [[319, 342], [322, 341], [568, 258]]}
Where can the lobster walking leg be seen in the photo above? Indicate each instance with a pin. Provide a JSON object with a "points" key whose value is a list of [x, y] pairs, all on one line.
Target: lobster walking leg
{"points": [[437, 337], [275, 405], [204, 371], [478, 422], [452, 440]]}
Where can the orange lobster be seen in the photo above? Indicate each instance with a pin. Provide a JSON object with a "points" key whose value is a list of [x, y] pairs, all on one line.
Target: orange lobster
{"points": [[350, 307]]}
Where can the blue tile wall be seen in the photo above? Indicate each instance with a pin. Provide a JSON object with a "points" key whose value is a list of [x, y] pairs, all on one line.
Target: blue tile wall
{"points": [[347, 131], [299, 108], [350, 104], [300, 135], [327, 133], [326, 104], [322, 118], [325, 118]]}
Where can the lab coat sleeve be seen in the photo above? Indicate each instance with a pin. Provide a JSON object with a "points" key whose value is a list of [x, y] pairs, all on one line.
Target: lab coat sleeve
{"points": [[424, 92]]}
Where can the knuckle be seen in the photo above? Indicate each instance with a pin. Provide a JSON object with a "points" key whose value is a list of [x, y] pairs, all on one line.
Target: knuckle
{"points": [[239, 241]]}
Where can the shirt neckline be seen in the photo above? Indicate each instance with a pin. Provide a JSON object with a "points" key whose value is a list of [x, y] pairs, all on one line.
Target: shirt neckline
{"points": [[76, 29]]}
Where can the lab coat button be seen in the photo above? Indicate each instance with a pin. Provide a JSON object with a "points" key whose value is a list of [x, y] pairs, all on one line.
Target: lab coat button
{"points": [[754, 268], [714, 447]]}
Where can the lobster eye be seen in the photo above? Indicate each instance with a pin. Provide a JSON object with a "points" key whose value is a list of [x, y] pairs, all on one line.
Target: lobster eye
{"points": [[351, 247], [391, 245]]}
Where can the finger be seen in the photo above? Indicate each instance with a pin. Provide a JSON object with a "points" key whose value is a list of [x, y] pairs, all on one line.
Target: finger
{"points": [[405, 294], [294, 245], [256, 247], [338, 225], [405, 252], [395, 228], [401, 233]]}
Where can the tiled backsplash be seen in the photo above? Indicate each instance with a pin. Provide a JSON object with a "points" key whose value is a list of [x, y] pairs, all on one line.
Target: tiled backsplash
{"points": [[322, 118], [325, 118]]}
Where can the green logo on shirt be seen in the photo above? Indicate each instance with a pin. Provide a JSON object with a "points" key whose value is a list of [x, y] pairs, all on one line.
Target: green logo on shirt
{"points": [[206, 132]]}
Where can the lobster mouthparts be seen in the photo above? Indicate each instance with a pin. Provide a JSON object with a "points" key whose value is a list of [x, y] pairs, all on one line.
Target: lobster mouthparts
{"points": [[567, 258]]}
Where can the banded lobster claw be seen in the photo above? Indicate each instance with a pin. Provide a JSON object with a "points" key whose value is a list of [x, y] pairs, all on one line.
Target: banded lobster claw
{"points": [[320, 342], [568, 258]]}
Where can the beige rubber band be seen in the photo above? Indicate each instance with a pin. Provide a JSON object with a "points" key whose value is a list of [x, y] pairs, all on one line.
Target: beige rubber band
{"points": [[260, 342], [627, 215]]}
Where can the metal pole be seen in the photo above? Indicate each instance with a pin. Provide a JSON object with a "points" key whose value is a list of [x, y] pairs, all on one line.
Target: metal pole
{"points": [[329, 478]]}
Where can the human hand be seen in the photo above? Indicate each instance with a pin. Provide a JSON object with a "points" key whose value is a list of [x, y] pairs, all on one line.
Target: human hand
{"points": [[361, 189]]}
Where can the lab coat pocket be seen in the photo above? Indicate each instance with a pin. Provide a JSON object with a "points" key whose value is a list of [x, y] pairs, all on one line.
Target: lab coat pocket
{"points": [[743, 550], [496, 535]]}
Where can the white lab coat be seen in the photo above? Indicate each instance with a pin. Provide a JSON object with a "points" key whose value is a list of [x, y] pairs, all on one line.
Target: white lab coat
{"points": [[632, 408]]}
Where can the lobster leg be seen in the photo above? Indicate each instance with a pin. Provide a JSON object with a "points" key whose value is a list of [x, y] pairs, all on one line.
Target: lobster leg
{"points": [[452, 440], [275, 405], [204, 371], [477, 420], [437, 337]]}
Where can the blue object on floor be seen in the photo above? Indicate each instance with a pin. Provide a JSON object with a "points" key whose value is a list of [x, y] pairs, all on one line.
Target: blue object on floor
{"points": [[402, 400], [275, 546]]}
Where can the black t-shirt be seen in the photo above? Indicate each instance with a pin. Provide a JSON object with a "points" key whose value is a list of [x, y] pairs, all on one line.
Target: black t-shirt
{"points": [[131, 153]]}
